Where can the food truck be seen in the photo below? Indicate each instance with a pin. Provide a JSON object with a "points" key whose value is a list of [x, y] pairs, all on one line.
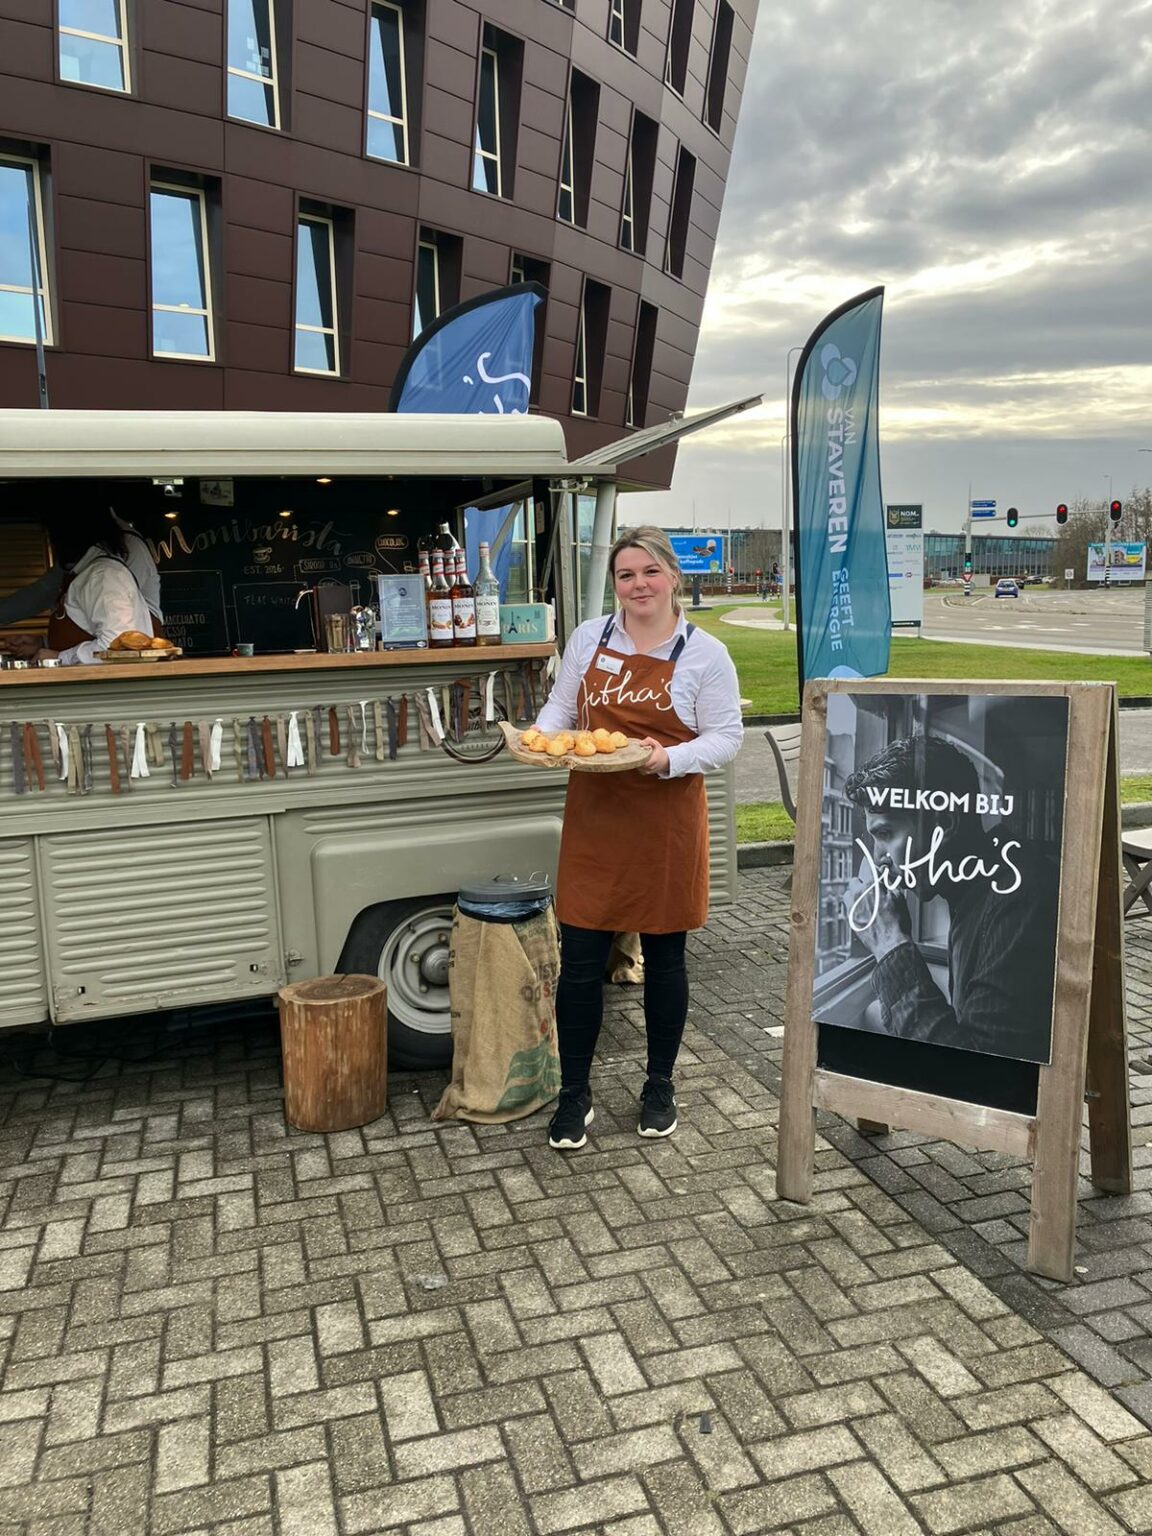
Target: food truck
{"points": [[259, 809]]}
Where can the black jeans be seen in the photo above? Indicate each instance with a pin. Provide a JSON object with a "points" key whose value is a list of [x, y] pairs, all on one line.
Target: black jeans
{"points": [[580, 999]]}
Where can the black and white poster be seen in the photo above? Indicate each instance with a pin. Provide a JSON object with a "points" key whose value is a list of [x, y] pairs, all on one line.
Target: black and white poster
{"points": [[940, 852]]}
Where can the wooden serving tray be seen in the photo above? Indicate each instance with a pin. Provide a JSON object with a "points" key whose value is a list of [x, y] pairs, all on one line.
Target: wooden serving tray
{"points": [[634, 755], [149, 655]]}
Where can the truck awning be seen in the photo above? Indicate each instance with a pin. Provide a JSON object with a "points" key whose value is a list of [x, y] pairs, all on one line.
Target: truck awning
{"points": [[217, 444], [636, 444]]}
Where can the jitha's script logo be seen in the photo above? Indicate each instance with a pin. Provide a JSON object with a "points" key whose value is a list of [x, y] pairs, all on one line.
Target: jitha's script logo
{"points": [[889, 876]]}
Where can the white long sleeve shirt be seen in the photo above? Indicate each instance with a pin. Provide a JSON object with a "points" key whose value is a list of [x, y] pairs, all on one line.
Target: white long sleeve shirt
{"points": [[704, 690], [105, 599]]}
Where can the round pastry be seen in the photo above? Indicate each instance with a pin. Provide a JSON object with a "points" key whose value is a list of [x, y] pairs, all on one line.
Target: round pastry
{"points": [[603, 742], [538, 743], [132, 640], [619, 739], [556, 747], [600, 734], [585, 749]]}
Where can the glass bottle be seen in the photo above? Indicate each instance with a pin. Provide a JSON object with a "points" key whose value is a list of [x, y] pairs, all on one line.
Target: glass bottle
{"points": [[425, 571], [439, 606], [463, 604], [444, 539], [486, 590]]}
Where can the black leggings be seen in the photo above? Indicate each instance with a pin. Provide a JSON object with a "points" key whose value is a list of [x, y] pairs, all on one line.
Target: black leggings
{"points": [[580, 999]]}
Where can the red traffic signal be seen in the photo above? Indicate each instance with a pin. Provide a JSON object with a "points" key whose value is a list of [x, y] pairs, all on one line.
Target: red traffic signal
{"points": [[1062, 513], [1114, 511]]}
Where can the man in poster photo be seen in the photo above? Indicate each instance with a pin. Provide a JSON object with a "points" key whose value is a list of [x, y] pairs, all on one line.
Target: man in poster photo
{"points": [[1001, 899]]}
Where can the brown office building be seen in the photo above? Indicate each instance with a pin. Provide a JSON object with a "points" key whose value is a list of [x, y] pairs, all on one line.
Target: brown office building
{"points": [[255, 204]]}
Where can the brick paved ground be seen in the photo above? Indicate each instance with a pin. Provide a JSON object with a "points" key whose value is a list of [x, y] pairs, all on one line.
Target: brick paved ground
{"points": [[210, 1324]]}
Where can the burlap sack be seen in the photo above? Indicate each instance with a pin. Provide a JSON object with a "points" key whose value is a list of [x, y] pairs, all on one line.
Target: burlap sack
{"points": [[626, 962], [502, 981]]}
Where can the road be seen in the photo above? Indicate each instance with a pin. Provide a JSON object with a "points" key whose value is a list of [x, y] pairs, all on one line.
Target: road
{"points": [[1089, 623], [1094, 623]]}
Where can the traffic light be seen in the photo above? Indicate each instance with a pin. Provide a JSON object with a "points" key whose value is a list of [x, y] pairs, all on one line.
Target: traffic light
{"points": [[1013, 517], [967, 566], [1062, 513], [1114, 511]]}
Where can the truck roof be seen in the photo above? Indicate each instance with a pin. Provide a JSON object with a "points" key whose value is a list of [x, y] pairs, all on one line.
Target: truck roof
{"points": [[127, 444]]}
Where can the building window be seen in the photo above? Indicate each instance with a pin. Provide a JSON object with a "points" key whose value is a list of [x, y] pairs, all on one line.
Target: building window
{"points": [[486, 156], [718, 66], [253, 93], [591, 337], [427, 305], [640, 378], [578, 150], [317, 341], [438, 262], [94, 43], [181, 276], [679, 38], [639, 170], [681, 212], [624, 24], [24, 296], [528, 269], [387, 85]]}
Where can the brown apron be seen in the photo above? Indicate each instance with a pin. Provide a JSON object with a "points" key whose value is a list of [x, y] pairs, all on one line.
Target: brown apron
{"points": [[634, 850], [64, 633]]}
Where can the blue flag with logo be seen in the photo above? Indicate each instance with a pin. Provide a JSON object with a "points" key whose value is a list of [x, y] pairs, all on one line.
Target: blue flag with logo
{"points": [[844, 619], [475, 358]]}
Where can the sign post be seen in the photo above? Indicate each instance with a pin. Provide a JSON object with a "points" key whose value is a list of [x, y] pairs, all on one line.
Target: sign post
{"points": [[957, 844], [904, 542]]}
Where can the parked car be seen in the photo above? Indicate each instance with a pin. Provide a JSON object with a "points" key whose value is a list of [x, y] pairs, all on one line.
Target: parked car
{"points": [[1007, 588]]}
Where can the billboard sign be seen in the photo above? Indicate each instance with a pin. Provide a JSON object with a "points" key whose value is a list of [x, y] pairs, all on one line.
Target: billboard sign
{"points": [[1127, 562], [699, 554], [904, 542]]}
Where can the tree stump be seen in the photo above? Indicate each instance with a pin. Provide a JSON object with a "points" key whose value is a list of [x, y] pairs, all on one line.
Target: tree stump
{"points": [[334, 1039]]}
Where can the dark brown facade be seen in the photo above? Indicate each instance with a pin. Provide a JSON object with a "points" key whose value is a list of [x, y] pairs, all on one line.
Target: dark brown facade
{"points": [[98, 151]]}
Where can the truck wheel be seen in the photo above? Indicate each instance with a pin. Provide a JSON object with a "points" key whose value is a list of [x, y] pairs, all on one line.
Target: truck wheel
{"points": [[406, 944]]}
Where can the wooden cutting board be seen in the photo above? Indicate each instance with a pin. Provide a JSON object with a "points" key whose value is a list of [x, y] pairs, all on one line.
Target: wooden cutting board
{"points": [[131, 656], [620, 761]]}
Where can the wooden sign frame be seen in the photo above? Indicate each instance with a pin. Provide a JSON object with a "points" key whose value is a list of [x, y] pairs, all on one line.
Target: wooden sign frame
{"points": [[1089, 1042]]}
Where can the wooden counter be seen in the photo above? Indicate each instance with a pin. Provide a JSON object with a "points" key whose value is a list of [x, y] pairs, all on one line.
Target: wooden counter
{"points": [[309, 661]]}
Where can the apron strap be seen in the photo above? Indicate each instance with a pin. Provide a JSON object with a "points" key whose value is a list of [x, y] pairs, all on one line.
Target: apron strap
{"points": [[681, 643], [607, 631]]}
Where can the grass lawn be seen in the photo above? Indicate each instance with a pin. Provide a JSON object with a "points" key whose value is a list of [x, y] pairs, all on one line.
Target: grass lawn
{"points": [[766, 664], [766, 821]]}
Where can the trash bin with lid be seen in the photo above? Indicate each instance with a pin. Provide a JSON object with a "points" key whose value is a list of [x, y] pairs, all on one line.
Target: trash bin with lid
{"points": [[503, 967]]}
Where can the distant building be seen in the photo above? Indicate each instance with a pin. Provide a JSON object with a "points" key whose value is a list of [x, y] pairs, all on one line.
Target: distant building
{"points": [[992, 555]]}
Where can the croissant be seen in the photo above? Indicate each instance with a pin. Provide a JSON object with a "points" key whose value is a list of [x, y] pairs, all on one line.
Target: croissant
{"points": [[135, 640]]}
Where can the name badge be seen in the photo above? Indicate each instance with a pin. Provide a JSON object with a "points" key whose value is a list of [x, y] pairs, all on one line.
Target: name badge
{"points": [[609, 664]]}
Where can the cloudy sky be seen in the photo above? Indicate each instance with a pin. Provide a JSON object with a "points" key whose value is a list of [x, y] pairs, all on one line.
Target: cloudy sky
{"points": [[991, 165]]}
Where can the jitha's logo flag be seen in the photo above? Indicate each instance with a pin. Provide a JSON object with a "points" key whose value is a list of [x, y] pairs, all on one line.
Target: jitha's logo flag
{"points": [[474, 358], [844, 619]]}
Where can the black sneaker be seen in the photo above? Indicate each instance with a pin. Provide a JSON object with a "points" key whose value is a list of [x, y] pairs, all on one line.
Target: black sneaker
{"points": [[657, 1108], [573, 1112]]}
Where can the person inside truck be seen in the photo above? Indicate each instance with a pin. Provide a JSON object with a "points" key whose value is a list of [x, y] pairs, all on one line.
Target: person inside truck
{"points": [[41, 595], [634, 849], [99, 596]]}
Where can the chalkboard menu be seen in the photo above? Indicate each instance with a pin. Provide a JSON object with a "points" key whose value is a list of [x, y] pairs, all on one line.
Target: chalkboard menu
{"points": [[194, 611], [272, 617]]}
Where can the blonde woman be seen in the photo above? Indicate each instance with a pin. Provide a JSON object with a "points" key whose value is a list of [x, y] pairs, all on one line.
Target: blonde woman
{"points": [[634, 852]]}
